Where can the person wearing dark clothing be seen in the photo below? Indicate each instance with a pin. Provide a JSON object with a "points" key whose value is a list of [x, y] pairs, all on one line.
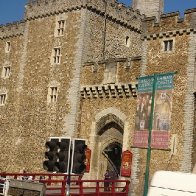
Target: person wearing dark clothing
{"points": [[25, 177], [107, 184]]}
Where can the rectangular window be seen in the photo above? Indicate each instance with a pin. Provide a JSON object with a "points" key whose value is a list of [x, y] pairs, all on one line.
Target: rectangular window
{"points": [[57, 55], [2, 99], [7, 47], [168, 45], [60, 27], [6, 72], [110, 73], [53, 94]]}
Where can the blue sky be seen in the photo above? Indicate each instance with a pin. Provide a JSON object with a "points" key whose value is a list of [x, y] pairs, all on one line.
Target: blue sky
{"points": [[13, 10]]}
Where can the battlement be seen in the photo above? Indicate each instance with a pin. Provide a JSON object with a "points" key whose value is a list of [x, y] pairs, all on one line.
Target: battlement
{"points": [[172, 22], [115, 11], [12, 29]]}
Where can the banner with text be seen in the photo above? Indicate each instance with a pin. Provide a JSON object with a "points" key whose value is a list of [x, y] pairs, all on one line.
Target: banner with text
{"points": [[143, 111], [162, 111]]}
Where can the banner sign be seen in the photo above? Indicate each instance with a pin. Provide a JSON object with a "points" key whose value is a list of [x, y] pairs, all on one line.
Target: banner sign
{"points": [[88, 159], [162, 111], [143, 111], [126, 164], [161, 114]]}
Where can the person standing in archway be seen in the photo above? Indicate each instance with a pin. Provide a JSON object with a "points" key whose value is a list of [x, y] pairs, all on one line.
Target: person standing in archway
{"points": [[107, 184]]}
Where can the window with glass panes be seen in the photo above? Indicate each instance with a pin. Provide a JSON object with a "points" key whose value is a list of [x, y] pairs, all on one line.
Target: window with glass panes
{"points": [[60, 27], [168, 45], [57, 55], [53, 94]]}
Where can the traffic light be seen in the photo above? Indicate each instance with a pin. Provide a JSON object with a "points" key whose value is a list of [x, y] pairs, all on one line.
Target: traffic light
{"points": [[51, 155], [63, 154], [78, 156], [57, 154]]}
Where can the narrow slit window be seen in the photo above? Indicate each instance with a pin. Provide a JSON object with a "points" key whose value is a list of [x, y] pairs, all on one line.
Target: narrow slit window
{"points": [[7, 46], [2, 98], [127, 41]]}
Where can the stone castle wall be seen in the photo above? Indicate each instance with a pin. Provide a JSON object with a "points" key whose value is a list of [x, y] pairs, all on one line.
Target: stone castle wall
{"points": [[116, 11], [9, 112], [34, 74], [40, 120], [95, 36], [181, 61], [12, 30], [156, 61]]}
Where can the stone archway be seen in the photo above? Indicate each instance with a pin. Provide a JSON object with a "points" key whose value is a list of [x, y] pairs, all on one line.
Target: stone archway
{"points": [[108, 134], [113, 155]]}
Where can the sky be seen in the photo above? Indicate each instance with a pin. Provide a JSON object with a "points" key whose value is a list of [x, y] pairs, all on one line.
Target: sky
{"points": [[13, 10]]}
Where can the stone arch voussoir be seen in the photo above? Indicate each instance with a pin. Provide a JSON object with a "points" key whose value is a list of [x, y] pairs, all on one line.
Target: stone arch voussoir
{"points": [[116, 115]]}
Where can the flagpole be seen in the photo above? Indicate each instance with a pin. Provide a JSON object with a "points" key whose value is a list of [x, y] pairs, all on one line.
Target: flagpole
{"points": [[149, 138]]}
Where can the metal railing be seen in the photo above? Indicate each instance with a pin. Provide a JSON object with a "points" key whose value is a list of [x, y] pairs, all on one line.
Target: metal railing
{"points": [[56, 184], [4, 184]]}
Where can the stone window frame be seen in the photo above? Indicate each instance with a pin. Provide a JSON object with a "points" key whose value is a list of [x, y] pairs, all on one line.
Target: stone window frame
{"points": [[60, 25], [6, 71], [56, 55], [168, 45], [60, 28], [127, 41], [53, 91], [52, 94], [7, 46], [3, 96], [110, 73]]}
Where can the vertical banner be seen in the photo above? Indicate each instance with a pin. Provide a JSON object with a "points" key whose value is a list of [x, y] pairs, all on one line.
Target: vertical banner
{"points": [[143, 111], [88, 159], [125, 169], [161, 114], [162, 111]]}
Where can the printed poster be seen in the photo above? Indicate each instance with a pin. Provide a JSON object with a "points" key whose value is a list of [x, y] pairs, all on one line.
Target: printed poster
{"points": [[87, 160], [161, 113], [143, 111], [126, 164]]}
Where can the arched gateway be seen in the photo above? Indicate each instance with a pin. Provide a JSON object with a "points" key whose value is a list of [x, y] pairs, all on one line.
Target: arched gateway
{"points": [[108, 143]]}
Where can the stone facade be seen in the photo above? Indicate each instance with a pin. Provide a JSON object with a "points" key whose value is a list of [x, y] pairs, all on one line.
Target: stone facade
{"points": [[71, 68]]}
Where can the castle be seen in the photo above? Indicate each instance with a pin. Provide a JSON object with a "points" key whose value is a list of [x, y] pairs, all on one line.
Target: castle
{"points": [[70, 68]]}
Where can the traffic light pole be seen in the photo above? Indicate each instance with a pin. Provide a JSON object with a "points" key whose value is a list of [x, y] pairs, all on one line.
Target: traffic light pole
{"points": [[149, 139], [69, 175]]}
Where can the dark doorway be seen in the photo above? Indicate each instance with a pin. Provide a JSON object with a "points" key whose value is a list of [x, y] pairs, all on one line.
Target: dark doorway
{"points": [[113, 154]]}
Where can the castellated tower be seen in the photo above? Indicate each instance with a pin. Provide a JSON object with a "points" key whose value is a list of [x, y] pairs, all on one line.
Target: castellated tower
{"points": [[149, 7], [71, 69]]}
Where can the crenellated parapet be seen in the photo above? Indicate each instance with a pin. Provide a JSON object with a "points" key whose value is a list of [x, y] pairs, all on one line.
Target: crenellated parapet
{"points": [[12, 29], [114, 11], [170, 24], [109, 91], [42, 8], [117, 12]]}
